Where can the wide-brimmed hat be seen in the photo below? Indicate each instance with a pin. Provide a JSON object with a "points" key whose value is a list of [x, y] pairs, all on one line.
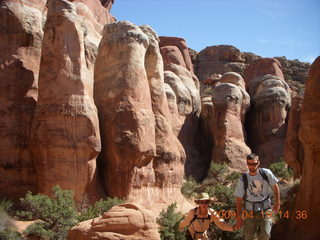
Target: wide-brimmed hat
{"points": [[203, 197]]}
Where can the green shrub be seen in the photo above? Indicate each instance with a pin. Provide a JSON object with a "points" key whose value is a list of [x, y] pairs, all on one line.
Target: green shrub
{"points": [[99, 207], [189, 188], [6, 205], [281, 170], [56, 215], [169, 222]]}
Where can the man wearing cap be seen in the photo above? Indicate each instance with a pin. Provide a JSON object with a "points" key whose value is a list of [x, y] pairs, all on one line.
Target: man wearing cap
{"points": [[253, 200], [199, 219]]}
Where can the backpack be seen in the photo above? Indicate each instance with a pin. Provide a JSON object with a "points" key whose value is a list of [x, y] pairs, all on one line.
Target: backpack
{"points": [[245, 181]]}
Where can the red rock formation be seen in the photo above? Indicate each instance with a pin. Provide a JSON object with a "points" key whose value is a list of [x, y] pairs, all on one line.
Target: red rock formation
{"points": [[123, 99], [181, 44], [20, 47], [230, 104], [124, 221], [261, 67], [142, 160], [266, 120], [293, 151], [308, 196], [65, 134]]}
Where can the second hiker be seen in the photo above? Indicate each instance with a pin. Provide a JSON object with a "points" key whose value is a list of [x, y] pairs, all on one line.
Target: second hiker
{"points": [[199, 219]]}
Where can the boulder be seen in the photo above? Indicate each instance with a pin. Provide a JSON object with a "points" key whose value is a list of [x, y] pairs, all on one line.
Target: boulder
{"points": [[266, 121], [230, 104], [20, 47], [261, 67], [308, 196], [293, 151], [65, 135], [128, 221]]}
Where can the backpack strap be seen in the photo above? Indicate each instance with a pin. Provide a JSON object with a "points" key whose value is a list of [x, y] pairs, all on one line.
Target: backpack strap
{"points": [[245, 184], [195, 216], [264, 175]]}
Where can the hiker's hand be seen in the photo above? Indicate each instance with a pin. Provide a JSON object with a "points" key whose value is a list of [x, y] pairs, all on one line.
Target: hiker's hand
{"points": [[276, 208], [239, 223]]}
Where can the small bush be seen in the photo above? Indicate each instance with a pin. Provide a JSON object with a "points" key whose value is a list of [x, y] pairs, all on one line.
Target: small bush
{"points": [[169, 222], [10, 234], [189, 187], [281, 170], [56, 215], [99, 207], [216, 173]]}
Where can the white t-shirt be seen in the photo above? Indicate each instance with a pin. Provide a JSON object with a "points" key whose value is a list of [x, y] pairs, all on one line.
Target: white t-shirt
{"points": [[258, 189]]}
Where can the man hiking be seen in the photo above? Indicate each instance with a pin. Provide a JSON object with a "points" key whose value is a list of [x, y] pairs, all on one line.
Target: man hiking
{"points": [[253, 200], [199, 219]]}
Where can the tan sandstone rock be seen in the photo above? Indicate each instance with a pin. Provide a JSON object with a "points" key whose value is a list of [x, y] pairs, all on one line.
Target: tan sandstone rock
{"points": [[266, 121], [230, 104], [65, 134], [293, 151], [128, 221], [20, 47], [261, 67], [308, 196], [186, 87]]}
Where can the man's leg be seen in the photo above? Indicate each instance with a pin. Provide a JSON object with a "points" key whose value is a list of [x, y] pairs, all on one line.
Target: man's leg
{"points": [[265, 229], [250, 228]]}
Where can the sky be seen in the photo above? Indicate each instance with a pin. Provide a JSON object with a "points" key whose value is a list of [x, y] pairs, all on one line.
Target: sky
{"points": [[268, 28]]}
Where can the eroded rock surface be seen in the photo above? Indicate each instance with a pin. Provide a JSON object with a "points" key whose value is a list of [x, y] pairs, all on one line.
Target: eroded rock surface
{"points": [[20, 47], [230, 104], [65, 134], [125, 221], [266, 121]]}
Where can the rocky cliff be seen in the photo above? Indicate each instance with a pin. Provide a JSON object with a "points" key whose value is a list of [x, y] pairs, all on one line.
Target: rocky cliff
{"points": [[308, 197]]}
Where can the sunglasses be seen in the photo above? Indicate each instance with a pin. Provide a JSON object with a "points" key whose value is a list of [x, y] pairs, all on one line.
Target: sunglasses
{"points": [[203, 202], [253, 164]]}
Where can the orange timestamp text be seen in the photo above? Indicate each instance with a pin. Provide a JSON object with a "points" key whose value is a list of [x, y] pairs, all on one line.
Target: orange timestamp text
{"points": [[231, 214]]}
